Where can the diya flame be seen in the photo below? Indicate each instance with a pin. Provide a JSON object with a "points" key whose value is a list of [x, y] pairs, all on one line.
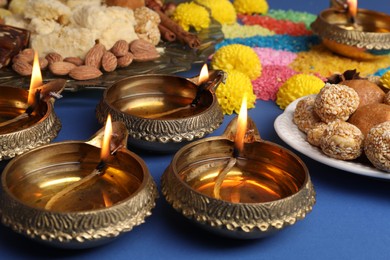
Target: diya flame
{"points": [[36, 79]]}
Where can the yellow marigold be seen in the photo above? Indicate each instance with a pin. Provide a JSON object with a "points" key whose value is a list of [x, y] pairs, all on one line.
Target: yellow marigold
{"points": [[238, 57], [298, 86], [251, 6], [191, 15], [385, 79], [221, 10], [230, 94]]}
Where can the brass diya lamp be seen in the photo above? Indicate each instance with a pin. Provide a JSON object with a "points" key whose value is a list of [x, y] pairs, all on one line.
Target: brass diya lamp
{"points": [[164, 112], [249, 190], [27, 118], [354, 33], [66, 195]]}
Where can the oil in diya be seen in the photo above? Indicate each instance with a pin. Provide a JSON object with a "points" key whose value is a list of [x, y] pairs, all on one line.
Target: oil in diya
{"points": [[76, 194], [237, 184], [352, 32], [27, 118]]}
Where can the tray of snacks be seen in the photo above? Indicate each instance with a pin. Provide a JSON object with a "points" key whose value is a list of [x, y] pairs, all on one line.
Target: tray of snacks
{"points": [[346, 126], [95, 43]]}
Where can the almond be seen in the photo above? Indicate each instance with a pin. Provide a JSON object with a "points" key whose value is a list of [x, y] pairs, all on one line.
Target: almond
{"points": [[85, 72], [143, 50], [94, 55], [126, 60], [75, 60], [109, 61], [43, 63], [53, 57], [61, 68], [22, 68], [120, 48], [21, 57], [29, 54]]}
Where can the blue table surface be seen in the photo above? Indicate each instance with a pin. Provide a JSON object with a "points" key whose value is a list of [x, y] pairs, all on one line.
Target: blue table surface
{"points": [[350, 219]]}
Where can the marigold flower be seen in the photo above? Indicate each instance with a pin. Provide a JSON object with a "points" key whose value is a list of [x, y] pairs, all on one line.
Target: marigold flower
{"points": [[298, 86], [251, 6], [191, 15], [221, 10], [230, 94], [238, 57], [385, 79]]}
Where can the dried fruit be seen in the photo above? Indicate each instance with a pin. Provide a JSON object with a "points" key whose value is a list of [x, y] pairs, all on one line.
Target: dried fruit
{"points": [[43, 63], [21, 57], [120, 48], [28, 53], [126, 60], [85, 72], [109, 61], [75, 60], [22, 68], [94, 55], [61, 68], [53, 57], [143, 50]]}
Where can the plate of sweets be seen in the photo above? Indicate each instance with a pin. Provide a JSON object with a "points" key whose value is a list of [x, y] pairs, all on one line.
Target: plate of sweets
{"points": [[346, 126], [94, 43]]}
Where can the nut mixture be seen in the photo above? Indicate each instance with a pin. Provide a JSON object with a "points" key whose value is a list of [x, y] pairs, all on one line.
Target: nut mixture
{"points": [[304, 116], [336, 102], [377, 146], [342, 140]]}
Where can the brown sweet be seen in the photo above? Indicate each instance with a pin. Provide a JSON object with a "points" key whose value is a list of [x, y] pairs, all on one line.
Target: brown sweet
{"points": [[370, 115], [132, 4], [336, 102], [342, 140], [368, 91], [304, 116], [377, 146]]}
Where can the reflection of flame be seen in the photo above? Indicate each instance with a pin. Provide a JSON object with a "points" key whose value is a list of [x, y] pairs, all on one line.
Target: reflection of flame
{"points": [[36, 79], [352, 8], [105, 151], [241, 126], [204, 74], [106, 200]]}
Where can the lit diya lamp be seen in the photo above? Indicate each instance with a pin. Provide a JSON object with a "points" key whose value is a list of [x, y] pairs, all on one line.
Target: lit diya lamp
{"points": [[78, 194], [237, 184], [164, 112], [352, 32], [27, 118]]}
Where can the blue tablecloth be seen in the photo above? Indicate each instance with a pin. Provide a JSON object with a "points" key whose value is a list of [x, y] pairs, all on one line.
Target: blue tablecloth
{"points": [[349, 221]]}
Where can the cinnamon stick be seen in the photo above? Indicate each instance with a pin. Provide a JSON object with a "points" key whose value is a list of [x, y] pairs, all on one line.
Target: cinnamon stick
{"points": [[167, 34], [182, 35]]}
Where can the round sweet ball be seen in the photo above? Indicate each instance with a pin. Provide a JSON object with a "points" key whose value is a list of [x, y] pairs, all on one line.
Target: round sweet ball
{"points": [[368, 116], [304, 116], [377, 146], [342, 140], [336, 101], [368, 91], [314, 135]]}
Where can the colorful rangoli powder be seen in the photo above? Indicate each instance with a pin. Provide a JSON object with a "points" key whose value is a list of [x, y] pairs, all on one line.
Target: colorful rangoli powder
{"points": [[270, 56], [278, 26], [293, 16], [321, 60], [267, 86], [244, 31], [277, 42]]}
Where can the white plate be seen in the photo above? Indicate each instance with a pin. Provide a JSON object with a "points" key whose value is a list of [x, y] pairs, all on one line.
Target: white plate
{"points": [[290, 134]]}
